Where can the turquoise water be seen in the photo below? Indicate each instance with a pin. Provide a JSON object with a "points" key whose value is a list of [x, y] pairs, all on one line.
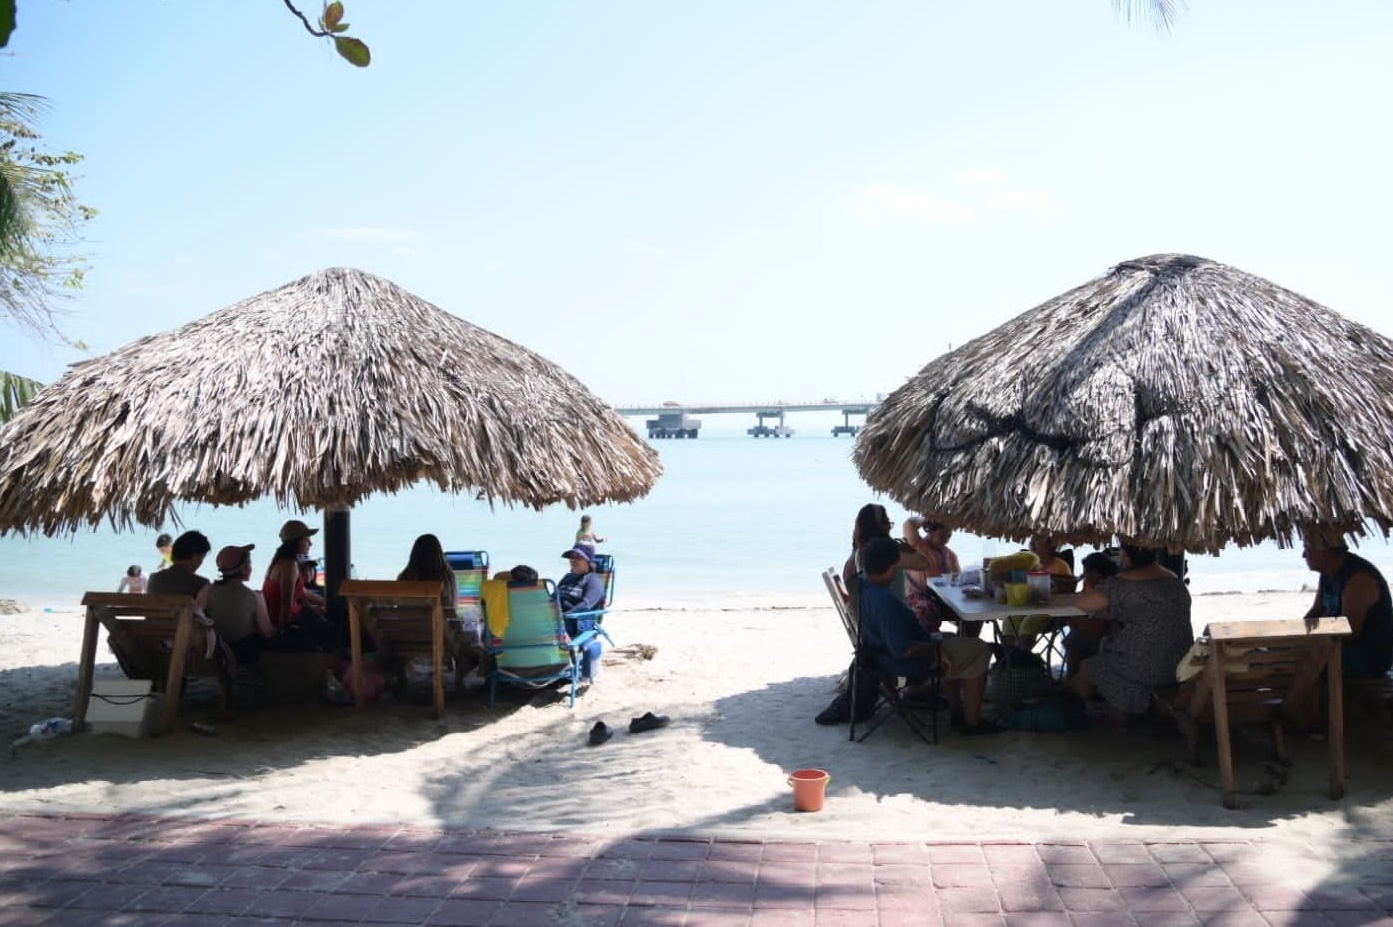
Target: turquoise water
{"points": [[735, 521]]}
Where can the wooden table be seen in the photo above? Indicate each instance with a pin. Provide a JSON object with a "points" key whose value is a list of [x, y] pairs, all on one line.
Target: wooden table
{"points": [[1259, 670]]}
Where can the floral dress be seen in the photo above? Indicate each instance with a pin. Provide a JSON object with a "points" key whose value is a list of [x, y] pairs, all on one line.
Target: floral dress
{"points": [[1151, 633]]}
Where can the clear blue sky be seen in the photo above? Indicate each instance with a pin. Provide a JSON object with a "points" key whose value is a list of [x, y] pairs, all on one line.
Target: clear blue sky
{"points": [[716, 200]]}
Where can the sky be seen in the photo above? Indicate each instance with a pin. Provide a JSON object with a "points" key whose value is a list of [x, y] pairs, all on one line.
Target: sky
{"points": [[717, 201]]}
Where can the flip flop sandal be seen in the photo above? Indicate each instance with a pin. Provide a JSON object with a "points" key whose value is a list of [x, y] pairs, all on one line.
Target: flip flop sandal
{"points": [[600, 733], [649, 722]]}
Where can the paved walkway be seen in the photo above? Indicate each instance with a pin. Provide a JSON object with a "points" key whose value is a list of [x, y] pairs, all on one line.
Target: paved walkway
{"points": [[94, 869]]}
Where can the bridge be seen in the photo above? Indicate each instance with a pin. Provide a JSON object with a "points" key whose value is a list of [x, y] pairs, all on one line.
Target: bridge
{"points": [[675, 419]]}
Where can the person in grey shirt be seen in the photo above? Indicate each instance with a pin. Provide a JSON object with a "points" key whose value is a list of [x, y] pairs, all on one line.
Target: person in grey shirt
{"points": [[181, 576]]}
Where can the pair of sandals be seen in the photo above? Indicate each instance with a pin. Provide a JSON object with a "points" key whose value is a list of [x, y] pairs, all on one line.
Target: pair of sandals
{"points": [[602, 732]]}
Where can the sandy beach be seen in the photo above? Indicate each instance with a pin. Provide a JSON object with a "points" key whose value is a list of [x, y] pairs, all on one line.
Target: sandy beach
{"points": [[741, 686]]}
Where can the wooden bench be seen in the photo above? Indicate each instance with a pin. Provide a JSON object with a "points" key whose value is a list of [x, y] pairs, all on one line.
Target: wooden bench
{"points": [[1269, 671], [404, 619], [153, 637]]}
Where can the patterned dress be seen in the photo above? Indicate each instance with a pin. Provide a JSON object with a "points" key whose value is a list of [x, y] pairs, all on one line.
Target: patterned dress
{"points": [[1151, 632]]}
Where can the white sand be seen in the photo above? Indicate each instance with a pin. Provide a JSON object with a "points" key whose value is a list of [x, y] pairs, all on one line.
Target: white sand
{"points": [[742, 687]]}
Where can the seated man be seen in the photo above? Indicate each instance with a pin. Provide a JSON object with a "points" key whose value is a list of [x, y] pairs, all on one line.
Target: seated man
{"points": [[181, 576], [905, 648], [1353, 587]]}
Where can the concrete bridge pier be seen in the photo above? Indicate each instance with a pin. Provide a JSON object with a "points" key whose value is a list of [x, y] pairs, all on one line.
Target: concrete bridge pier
{"points": [[765, 431], [673, 425], [846, 428]]}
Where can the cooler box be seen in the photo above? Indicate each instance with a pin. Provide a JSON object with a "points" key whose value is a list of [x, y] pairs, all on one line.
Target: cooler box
{"points": [[124, 706]]}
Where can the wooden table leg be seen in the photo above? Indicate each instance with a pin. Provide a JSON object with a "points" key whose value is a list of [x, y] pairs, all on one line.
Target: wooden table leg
{"points": [[85, 667], [437, 649], [174, 684], [1334, 672], [1221, 722], [355, 638]]}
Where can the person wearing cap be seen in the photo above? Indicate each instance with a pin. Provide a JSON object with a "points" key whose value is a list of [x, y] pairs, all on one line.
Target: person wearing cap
{"points": [[238, 612], [181, 576], [582, 590], [284, 587], [309, 571]]}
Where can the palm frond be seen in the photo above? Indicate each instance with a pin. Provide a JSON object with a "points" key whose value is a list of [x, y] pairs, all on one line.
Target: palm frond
{"points": [[15, 391]]}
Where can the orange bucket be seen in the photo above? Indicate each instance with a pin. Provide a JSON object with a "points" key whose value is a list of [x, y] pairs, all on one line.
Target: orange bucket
{"points": [[809, 788]]}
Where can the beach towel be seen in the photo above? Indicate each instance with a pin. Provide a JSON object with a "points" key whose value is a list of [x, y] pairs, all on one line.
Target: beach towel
{"points": [[495, 595]]}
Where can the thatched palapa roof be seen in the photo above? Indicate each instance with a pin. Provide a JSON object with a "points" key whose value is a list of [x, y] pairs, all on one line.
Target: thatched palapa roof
{"points": [[1174, 400], [317, 394]]}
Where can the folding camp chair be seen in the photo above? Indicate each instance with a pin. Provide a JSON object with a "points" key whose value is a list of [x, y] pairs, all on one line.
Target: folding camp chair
{"points": [[528, 640], [889, 687]]}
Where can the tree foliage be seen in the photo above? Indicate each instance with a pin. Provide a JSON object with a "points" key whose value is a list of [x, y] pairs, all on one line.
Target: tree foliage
{"points": [[39, 218]]}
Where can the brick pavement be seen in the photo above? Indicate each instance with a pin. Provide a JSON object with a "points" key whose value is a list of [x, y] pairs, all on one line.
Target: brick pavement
{"points": [[128, 870]]}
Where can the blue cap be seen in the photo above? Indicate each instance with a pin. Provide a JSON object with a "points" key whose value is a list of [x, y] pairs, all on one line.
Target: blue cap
{"points": [[580, 552]]}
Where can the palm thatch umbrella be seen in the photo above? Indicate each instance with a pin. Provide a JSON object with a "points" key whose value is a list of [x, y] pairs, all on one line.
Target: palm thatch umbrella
{"points": [[1174, 400], [316, 394]]}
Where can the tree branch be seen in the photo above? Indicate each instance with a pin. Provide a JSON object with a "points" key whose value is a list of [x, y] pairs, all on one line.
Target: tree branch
{"points": [[308, 28]]}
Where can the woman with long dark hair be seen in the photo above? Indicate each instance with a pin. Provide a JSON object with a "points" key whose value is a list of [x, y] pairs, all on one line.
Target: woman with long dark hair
{"points": [[426, 563]]}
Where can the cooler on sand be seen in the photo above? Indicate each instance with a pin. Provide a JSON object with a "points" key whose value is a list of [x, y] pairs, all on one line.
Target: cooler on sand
{"points": [[123, 706]]}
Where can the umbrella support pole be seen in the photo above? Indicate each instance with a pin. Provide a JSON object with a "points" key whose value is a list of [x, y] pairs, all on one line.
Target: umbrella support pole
{"points": [[338, 557]]}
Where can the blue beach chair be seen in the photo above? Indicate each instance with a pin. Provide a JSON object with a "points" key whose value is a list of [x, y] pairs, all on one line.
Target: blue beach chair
{"points": [[578, 623], [533, 649]]}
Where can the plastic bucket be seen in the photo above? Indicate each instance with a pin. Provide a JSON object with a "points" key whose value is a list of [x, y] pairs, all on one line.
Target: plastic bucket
{"points": [[1017, 594], [809, 788]]}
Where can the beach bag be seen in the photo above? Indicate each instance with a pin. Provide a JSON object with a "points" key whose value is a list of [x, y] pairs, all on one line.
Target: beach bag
{"points": [[1055, 713]]}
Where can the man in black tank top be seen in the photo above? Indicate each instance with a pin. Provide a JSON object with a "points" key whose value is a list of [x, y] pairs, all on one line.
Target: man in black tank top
{"points": [[1353, 587]]}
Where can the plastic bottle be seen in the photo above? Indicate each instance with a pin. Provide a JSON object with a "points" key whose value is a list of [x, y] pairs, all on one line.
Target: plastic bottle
{"points": [[44, 730], [334, 690]]}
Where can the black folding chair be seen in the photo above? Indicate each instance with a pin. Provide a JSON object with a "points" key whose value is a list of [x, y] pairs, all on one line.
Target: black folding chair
{"points": [[889, 689]]}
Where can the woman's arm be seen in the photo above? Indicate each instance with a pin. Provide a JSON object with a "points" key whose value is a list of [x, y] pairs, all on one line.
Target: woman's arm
{"points": [[1091, 600], [913, 560], [289, 575], [911, 532], [594, 597], [263, 618]]}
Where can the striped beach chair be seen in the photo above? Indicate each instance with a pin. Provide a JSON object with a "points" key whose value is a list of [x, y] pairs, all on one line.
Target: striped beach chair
{"points": [[471, 568]]}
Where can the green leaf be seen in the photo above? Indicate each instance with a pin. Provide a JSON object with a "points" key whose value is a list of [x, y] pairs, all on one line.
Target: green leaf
{"points": [[15, 391], [352, 50], [341, 27], [333, 12], [7, 21]]}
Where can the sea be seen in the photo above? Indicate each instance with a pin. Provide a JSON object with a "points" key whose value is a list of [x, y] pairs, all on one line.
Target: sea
{"points": [[734, 523]]}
